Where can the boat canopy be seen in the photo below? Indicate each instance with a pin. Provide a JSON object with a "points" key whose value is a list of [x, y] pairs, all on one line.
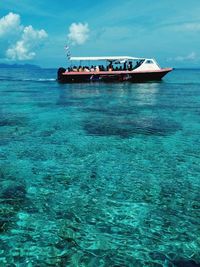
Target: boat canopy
{"points": [[109, 58]]}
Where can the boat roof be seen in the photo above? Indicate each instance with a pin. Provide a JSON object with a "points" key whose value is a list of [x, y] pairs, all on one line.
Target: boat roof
{"points": [[109, 58]]}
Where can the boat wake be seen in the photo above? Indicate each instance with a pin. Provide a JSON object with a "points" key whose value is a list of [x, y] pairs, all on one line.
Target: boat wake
{"points": [[10, 79], [41, 80]]}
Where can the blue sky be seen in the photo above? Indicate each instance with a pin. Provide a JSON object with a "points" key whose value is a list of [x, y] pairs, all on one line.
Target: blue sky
{"points": [[36, 31]]}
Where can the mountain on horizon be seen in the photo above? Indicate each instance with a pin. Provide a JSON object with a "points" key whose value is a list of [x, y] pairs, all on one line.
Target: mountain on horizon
{"points": [[30, 66]]}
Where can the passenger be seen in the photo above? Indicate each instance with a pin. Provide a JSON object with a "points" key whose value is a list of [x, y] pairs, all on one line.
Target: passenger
{"points": [[97, 69], [137, 64], [86, 69], [92, 68], [102, 68], [110, 67], [130, 65], [80, 69], [124, 66], [74, 68]]}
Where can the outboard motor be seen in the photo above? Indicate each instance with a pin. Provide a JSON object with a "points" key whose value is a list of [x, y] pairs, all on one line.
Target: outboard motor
{"points": [[59, 73]]}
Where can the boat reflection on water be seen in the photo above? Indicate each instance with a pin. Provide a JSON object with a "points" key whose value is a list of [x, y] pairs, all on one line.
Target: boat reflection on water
{"points": [[122, 110], [144, 92]]}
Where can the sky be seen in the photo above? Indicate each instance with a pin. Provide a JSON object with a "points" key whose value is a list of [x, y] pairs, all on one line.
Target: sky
{"points": [[37, 32]]}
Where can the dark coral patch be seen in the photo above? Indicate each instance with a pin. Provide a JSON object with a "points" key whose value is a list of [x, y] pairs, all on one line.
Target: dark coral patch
{"points": [[12, 120], [115, 111], [14, 192], [126, 128], [12, 199]]}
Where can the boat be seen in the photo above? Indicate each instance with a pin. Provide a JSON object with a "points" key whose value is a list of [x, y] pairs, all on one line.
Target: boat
{"points": [[114, 69]]}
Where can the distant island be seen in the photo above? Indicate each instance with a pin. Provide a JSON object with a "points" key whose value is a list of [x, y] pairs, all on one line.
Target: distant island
{"points": [[17, 66]]}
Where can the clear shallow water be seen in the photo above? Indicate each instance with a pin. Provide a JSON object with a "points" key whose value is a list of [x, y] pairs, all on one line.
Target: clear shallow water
{"points": [[99, 174]]}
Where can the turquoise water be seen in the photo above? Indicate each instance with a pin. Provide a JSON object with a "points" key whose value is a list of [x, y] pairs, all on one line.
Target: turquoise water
{"points": [[99, 174]]}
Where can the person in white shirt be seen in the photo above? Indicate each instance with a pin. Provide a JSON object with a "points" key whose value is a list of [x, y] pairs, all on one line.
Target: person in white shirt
{"points": [[92, 68], [97, 68]]}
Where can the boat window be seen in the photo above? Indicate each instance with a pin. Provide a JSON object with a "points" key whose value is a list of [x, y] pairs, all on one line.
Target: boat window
{"points": [[149, 62]]}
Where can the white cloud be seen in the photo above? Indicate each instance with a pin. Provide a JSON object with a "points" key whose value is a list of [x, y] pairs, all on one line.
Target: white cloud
{"points": [[10, 24], [78, 33], [191, 27], [19, 42], [190, 57], [30, 40], [20, 52]]}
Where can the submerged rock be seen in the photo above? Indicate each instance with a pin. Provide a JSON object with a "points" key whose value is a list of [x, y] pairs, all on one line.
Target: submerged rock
{"points": [[157, 255], [185, 263]]}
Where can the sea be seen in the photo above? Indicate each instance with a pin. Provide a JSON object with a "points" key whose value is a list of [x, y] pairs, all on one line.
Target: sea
{"points": [[99, 174]]}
